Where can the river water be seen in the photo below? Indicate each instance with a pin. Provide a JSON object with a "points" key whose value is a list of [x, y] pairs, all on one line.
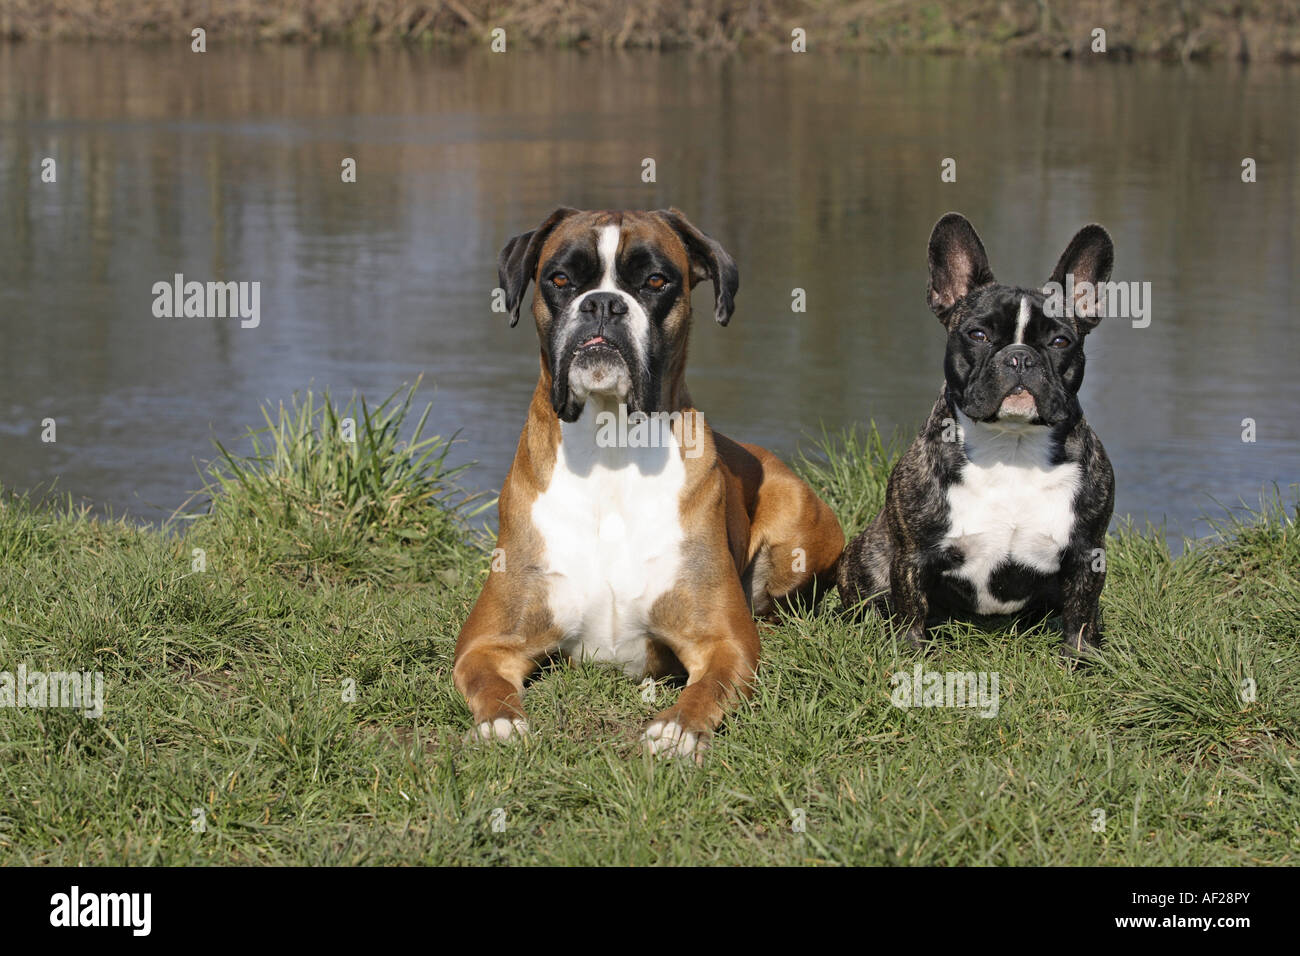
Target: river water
{"points": [[820, 173]]}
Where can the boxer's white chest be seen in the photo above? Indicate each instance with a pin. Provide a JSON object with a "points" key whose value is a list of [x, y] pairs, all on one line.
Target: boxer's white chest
{"points": [[1011, 504], [612, 534]]}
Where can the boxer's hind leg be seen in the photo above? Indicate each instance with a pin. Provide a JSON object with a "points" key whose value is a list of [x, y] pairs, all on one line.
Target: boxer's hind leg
{"points": [[795, 541], [718, 647]]}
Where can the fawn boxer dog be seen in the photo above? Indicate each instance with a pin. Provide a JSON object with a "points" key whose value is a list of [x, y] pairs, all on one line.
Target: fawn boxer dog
{"points": [[631, 533]]}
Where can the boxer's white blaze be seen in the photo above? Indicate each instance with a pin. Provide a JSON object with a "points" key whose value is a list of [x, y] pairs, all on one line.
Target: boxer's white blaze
{"points": [[607, 249], [1010, 505], [1022, 320], [611, 528], [636, 319]]}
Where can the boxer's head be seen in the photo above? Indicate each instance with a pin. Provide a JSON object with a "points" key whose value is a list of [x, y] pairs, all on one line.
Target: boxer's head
{"points": [[1012, 357], [613, 301]]}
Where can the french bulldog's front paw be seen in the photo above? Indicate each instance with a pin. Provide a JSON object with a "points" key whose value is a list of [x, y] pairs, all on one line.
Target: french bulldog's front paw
{"points": [[502, 728], [1078, 651], [919, 640], [668, 738]]}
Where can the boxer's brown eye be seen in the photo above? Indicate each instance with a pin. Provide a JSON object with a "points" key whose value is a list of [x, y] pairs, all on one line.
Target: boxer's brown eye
{"points": [[559, 280], [656, 282], [1060, 342], [978, 335]]}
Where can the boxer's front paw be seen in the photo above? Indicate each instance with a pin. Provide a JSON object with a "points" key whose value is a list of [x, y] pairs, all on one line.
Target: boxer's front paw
{"points": [[665, 737], [502, 728]]}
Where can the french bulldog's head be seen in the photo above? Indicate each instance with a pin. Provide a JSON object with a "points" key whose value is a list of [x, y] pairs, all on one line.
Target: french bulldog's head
{"points": [[613, 300], [1010, 359]]}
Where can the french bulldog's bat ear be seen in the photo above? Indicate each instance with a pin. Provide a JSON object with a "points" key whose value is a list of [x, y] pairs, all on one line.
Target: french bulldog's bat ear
{"points": [[1088, 260], [517, 263], [958, 264], [708, 261]]}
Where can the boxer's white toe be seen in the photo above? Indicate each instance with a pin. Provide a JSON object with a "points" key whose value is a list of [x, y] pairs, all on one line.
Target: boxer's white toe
{"points": [[503, 728], [667, 738]]}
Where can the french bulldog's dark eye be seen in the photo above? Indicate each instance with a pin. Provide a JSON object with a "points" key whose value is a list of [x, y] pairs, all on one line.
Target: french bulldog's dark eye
{"points": [[656, 282], [559, 280], [979, 335], [1060, 342]]}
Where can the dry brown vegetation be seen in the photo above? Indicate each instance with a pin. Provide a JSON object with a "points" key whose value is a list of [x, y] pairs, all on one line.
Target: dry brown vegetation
{"points": [[1171, 29]]}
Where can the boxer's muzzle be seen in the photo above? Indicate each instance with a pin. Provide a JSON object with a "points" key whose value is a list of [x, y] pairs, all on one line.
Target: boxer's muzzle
{"points": [[602, 345]]}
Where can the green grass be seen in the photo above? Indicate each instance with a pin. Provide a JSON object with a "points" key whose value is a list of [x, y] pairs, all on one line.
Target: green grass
{"points": [[329, 562]]}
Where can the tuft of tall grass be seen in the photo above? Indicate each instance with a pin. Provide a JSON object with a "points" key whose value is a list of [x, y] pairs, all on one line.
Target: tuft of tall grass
{"points": [[330, 485], [850, 470]]}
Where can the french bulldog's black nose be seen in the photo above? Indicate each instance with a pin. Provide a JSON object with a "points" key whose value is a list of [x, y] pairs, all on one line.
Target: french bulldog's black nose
{"points": [[605, 305], [1019, 357]]}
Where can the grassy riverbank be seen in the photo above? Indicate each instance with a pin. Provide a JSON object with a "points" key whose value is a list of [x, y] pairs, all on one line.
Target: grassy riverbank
{"points": [[1170, 29], [328, 563]]}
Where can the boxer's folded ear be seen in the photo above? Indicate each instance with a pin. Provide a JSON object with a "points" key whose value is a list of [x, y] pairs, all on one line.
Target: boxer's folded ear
{"points": [[708, 261], [958, 264], [1088, 259], [517, 263]]}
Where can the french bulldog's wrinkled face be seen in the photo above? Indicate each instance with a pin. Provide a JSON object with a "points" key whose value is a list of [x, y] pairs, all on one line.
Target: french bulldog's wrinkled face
{"points": [[1008, 360], [612, 304]]}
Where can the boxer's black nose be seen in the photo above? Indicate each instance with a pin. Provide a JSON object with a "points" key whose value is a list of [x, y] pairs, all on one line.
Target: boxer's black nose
{"points": [[1019, 357], [604, 305]]}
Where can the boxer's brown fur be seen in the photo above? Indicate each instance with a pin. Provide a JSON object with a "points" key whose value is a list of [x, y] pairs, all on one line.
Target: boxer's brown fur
{"points": [[746, 518]]}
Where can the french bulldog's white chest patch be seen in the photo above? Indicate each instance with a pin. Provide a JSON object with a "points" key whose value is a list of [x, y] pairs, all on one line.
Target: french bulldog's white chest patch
{"points": [[1011, 504], [611, 527]]}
